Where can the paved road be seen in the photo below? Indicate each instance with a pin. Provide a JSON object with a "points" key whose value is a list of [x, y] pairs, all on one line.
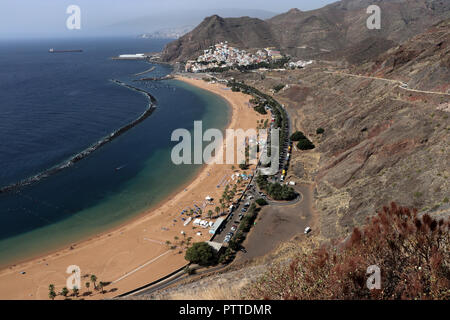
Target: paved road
{"points": [[180, 276], [396, 82], [278, 223]]}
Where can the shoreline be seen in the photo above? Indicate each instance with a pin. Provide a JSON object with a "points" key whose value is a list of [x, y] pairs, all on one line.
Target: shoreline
{"points": [[109, 241], [131, 220]]}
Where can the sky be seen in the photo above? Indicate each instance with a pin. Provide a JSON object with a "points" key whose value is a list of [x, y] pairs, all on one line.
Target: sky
{"points": [[47, 18]]}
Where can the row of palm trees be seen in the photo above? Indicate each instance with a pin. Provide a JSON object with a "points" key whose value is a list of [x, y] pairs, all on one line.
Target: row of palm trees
{"points": [[227, 197], [183, 243], [52, 294]]}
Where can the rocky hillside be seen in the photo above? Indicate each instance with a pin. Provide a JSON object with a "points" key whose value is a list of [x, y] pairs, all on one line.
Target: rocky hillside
{"points": [[242, 32], [382, 142], [332, 32], [423, 61]]}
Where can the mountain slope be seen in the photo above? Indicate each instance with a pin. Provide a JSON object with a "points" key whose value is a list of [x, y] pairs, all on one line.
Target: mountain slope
{"points": [[243, 32], [332, 32], [423, 61]]}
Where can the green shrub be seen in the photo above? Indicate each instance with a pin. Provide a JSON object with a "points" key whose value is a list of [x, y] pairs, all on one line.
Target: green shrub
{"points": [[243, 166], [260, 109], [320, 130], [297, 136], [305, 144], [278, 87], [262, 202], [201, 253], [281, 192], [234, 245]]}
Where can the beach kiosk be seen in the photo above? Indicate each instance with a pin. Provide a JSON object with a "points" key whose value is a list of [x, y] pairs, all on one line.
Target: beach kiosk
{"points": [[216, 226]]}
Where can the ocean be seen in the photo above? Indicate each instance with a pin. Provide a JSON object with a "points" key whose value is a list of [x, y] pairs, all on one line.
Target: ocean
{"points": [[55, 105]]}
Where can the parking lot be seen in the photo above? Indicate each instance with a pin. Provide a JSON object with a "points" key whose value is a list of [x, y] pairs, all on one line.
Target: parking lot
{"points": [[278, 223], [234, 219]]}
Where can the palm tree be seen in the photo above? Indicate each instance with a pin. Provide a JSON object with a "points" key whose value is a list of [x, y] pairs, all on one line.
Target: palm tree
{"points": [[217, 209], [64, 291], [210, 213], [101, 285], [94, 279], [51, 293], [75, 291], [88, 284]]}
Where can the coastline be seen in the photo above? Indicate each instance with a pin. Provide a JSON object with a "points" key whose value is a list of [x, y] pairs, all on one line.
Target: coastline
{"points": [[112, 248]]}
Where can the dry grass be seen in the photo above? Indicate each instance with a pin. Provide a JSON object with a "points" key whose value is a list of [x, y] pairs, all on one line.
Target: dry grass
{"points": [[212, 292]]}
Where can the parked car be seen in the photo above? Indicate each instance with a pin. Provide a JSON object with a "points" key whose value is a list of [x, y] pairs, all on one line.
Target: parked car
{"points": [[307, 230], [244, 210], [233, 228]]}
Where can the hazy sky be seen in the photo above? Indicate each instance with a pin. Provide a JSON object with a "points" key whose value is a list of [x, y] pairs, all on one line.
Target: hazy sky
{"points": [[45, 18]]}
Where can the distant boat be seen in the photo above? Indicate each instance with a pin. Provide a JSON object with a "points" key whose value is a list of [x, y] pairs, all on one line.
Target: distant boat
{"points": [[121, 167], [51, 50]]}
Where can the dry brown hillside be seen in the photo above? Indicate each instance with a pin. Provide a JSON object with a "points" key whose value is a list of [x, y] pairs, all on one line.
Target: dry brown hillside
{"points": [[423, 61], [332, 32]]}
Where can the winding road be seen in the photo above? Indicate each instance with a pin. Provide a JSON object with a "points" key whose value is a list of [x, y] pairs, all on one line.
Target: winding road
{"points": [[396, 82]]}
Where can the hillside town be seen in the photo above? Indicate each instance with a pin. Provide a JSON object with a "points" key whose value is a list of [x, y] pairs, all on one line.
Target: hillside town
{"points": [[224, 56]]}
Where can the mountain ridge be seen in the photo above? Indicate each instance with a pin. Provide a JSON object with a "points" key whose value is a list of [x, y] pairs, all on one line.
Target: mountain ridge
{"points": [[328, 33]]}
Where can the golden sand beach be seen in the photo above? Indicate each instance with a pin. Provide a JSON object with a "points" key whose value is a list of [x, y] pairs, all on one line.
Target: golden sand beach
{"points": [[135, 253]]}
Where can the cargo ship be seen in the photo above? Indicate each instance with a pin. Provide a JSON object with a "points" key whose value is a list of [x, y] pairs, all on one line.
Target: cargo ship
{"points": [[51, 50]]}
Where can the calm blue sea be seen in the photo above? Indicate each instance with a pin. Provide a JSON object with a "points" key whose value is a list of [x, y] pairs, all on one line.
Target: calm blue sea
{"points": [[53, 106]]}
